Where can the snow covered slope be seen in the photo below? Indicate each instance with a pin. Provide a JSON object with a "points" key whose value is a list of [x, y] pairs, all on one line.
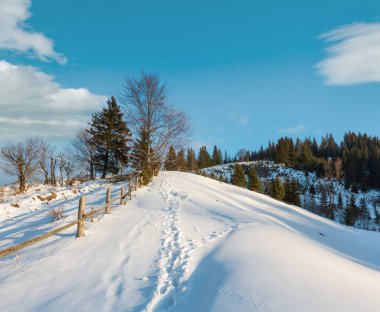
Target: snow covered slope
{"points": [[189, 243], [268, 170]]}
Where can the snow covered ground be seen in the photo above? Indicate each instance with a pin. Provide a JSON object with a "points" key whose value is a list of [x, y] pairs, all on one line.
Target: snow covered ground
{"points": [[189, 243], [272, 170]]}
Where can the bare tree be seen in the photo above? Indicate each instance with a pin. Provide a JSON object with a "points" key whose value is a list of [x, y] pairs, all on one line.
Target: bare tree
{"points": [[84, 152], [147, 112], [53, 165], [65, 166], [69, 169], [21, 160], [61, 164], [45, 163], [241, 154]]}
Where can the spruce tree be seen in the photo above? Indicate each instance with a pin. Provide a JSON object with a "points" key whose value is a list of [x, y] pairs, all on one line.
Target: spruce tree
{"points": [[171, 160], [191, 161], [238, 177], [247, 156], [364, 215], [339, 204], [139, 156], [110, 137], [288, 191], [291, 192], [204, 159], [312, 191], [349, 213], [323, 202], [253, 181], [216, 156], [277, 189], [181, 161], [295, 199]]}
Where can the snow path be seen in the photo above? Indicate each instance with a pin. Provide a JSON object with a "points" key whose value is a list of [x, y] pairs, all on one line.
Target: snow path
{"points": [[189, 243], [173, 257]]}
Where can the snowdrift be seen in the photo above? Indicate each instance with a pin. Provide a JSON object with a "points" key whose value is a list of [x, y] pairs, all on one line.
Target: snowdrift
{"points": [[189, 243]]}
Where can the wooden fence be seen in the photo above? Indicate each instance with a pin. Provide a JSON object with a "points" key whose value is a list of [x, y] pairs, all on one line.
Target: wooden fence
{"points": [[135, 180]]}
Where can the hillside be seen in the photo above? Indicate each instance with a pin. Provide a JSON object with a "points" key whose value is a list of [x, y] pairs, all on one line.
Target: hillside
{"points": [[189, 243], [268, 170]]}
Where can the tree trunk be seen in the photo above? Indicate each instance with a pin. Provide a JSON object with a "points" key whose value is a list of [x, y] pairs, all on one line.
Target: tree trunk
{"points": [[52, 171], [22, 182], [92, 170], [105, 167]]}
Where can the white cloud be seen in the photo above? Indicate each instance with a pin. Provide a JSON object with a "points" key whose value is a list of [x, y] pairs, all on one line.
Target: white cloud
{"points": [[294, 130], [32, 103], [16, 36], [353, 54]]}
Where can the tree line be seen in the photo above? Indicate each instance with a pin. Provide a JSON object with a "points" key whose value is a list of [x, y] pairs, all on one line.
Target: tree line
{"points": [[356, 159], [135, 134]]}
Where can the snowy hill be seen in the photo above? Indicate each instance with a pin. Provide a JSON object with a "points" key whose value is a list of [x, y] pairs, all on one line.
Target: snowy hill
{"points": [[189, 243], [269, 170]]}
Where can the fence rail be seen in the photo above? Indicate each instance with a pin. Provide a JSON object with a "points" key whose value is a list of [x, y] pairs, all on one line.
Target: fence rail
{"points": [[82, 216]]}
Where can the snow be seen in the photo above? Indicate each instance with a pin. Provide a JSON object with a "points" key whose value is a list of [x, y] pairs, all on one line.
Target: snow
{"points": [[273, 170], [190, 243]]}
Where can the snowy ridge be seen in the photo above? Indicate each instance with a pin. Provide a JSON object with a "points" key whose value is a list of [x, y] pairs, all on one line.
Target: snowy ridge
{"points": [[270, 170], [190, 243]]}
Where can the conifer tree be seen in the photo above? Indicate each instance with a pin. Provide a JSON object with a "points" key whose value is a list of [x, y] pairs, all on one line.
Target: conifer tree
{"points": [[191, 161], [295, 198], [238, 177], [364, 215], [171, 160], [312, 191], [110, 136], [339, 204], [253, 181], [277, 189], [204, 159], [216, 156], [323, 201], [288, 191], [139, 156], [247, 156], [349, 213], [181, 161], [291, 192]]}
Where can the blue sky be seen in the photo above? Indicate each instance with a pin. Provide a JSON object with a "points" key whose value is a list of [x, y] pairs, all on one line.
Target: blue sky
{"points": [[245, 71]]}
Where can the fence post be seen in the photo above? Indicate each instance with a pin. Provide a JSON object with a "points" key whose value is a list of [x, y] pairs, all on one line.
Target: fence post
{"points": [[81, 211], [122, 202], [108, 201]]}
